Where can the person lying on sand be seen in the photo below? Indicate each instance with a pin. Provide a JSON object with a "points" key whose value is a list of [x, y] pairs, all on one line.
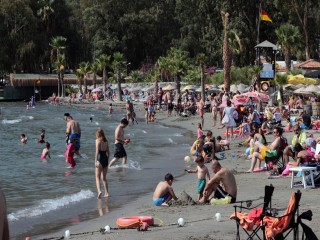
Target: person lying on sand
{"points": [[164, 192], [223, 184]]}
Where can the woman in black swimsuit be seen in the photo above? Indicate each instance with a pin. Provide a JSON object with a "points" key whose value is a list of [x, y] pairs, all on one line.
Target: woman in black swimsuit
{"points": [[101, 161]]}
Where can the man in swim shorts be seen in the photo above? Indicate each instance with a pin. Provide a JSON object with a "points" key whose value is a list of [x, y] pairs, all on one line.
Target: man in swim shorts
{"points": [[120, 152], [73, 131], [164, 192], [223, 184]]}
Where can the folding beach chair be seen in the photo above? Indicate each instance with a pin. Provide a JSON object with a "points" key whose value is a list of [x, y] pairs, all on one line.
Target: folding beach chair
{"points": [[306, 231], [278, 160], [250, 222], [279, 228]]}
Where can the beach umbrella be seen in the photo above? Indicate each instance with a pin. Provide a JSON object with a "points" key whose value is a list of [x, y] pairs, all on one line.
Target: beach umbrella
{"points": [[259, 96], [168, 88], [300, 79], [189, 87], [233, 88], [311, 88], [96, 90]]}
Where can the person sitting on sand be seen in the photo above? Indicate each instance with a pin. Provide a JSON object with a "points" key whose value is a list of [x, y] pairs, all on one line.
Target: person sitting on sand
{"points": [[164, 192], [202, 172], [223, 143], [223, 184], [261, 151]]}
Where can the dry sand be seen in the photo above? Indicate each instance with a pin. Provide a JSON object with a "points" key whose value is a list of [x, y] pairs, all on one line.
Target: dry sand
{"points": [[200, 219]]}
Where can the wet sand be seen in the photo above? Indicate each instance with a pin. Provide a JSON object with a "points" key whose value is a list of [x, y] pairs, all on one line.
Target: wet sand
{"points": [[200, 219]]}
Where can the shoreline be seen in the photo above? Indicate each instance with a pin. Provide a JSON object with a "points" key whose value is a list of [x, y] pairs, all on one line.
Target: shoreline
{"points": [[200, 220]]}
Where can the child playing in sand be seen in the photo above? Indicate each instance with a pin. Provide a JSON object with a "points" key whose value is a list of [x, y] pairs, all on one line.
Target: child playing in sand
{"points": [[203, 174], [110, 109], [24, 138], [46, 152], [288, 128], [42, 135], [197, 148], [71, 148], [164, 192], [223, 143], [199, 131]]}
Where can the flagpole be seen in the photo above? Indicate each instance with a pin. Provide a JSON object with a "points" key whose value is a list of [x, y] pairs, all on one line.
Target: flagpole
{"points": [[258, 35]]}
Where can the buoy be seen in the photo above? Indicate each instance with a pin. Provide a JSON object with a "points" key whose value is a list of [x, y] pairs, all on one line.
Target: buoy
{"points": [[107, 229], [187, 159], [134, 221], [181, 222], [218, 217], [67, 234]]}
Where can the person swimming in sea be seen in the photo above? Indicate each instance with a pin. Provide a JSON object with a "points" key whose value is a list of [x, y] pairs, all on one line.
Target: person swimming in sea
{"points": [[46, 152], [24, 138], [42, 135]]}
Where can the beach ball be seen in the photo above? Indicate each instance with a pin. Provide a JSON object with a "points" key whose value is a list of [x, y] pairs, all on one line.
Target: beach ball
{"points": [[180, 222], [187, 159]]}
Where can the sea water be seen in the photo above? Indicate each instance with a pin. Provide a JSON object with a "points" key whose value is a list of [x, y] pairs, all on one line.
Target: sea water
{"points": [[45, 196]]}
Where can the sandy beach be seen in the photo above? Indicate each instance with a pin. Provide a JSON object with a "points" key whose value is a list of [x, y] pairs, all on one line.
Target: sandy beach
{"points": [[200, 219]]}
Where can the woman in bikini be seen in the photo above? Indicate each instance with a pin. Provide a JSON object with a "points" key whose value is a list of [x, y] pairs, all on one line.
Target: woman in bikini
{"points": [[101, 161]]}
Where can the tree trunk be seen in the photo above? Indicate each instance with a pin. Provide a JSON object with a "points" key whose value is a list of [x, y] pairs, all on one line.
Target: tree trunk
{"points": [[104, 74], [58, 78], [202, 83], [287, 59], [94, 80], [178, 85], [119, 86], [85, 84], [62, 83], [80, 86], [155, 93], [226, 54]]}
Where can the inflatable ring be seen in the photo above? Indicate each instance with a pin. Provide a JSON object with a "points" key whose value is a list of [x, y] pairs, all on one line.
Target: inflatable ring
{"points": [[134, 221]]}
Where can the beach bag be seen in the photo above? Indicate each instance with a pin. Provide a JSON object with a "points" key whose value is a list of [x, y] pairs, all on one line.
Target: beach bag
{"points": [[220, 201], [225, 119]]}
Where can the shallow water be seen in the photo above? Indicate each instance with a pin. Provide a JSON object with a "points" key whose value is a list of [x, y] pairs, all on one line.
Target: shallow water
{"points": [[45, 196]]}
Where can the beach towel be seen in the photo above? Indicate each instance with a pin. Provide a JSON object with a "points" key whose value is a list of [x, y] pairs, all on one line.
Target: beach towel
{"points": [[248, 220], [274, 226]]}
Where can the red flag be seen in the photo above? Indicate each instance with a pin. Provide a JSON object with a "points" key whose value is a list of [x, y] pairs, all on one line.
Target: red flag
{"points": [[265, 16]]}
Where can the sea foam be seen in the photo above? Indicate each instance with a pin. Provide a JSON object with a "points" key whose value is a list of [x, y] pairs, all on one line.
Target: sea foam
{"points": [[47, 205]]}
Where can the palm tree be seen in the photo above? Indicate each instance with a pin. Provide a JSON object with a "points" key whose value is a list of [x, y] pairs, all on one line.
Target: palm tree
{"points": [[178, 62], [45, 11], [94, 70], [103, 63], [226, 52], [288, 37], [80, 76], [60, 63], [58, 45], [118, 63], [85, 70], [200, 59]]}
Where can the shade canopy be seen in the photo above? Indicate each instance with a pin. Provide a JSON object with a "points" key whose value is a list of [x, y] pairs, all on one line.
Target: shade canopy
{"points": [[267, 44]]}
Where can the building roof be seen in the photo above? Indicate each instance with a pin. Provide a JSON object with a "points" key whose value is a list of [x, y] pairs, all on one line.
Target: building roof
{"points": [[28, 80], [309, 64], [267, 44]]}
